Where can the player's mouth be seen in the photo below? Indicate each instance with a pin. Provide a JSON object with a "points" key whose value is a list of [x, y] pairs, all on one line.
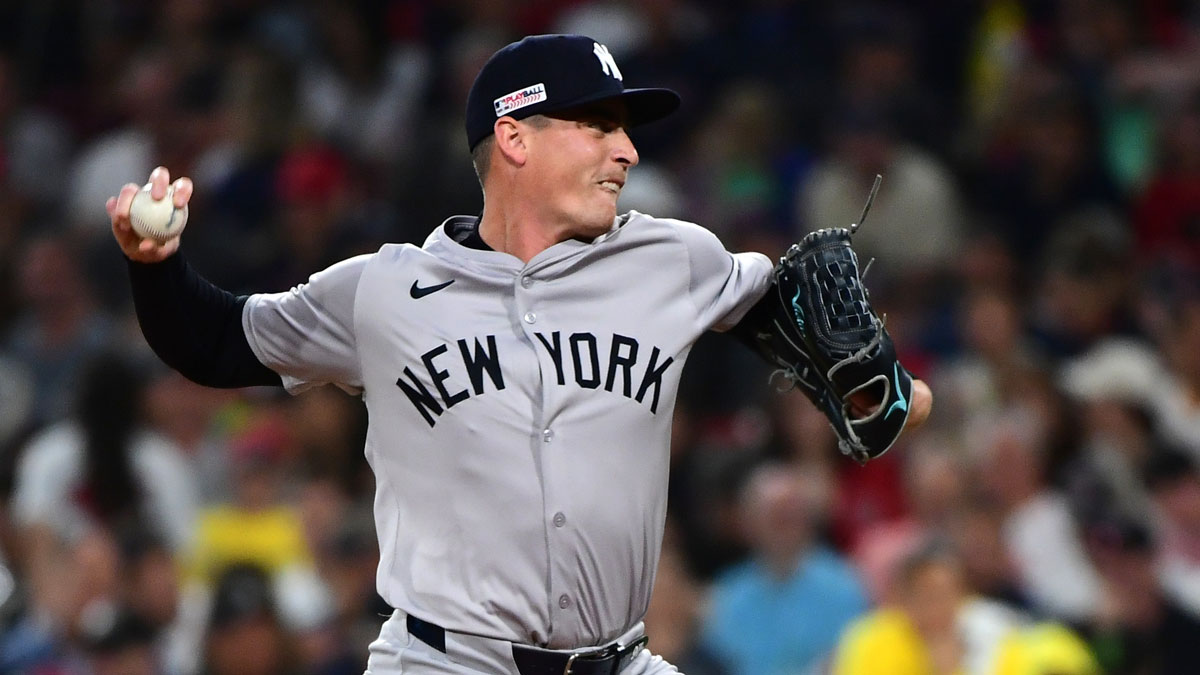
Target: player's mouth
{"points": [[612, 186]]}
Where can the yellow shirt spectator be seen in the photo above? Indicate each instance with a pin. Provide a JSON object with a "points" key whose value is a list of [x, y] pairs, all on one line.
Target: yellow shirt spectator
{"points": [[882, 642], [272, 538], [885, 642], [1046, 648]]}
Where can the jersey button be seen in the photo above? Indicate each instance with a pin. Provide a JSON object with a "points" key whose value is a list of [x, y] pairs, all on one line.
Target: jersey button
{"points": [[530, 317], [559, 519], [526, 281], [563, 601], [547, 435]]}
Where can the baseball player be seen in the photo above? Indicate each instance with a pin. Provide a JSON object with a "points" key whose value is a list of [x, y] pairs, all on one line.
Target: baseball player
{"points": [[519, 370]]}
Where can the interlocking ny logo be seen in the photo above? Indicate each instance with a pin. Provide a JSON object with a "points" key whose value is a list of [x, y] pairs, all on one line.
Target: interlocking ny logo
{"points": [[606, 61]]}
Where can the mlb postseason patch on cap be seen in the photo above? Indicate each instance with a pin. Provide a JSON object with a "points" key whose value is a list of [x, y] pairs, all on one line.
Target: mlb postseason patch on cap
{"points": [[520, 98]]}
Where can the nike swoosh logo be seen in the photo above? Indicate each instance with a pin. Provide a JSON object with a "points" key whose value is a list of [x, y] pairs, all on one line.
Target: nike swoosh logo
{"points": [[902, 404], [417, 292]]}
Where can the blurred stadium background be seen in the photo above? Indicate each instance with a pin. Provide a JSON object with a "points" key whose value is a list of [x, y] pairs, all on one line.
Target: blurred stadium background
{"points": [[1038, 243]]}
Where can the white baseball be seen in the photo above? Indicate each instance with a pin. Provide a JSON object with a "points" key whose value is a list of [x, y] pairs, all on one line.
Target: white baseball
{"points": [[156, 219]]}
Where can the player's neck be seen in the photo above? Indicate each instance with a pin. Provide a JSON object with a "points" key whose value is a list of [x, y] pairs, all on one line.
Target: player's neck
{"points": [[515, 231]]}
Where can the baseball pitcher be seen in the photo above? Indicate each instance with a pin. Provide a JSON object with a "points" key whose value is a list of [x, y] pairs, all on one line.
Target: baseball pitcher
{"points": [[520, 370]]}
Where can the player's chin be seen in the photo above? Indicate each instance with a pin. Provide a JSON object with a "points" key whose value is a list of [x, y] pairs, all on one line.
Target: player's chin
{"points": [[587, 231], [599, 218]]}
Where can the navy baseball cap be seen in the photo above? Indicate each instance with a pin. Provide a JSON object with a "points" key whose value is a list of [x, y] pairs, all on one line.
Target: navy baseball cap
{"points": [[547, 73]]}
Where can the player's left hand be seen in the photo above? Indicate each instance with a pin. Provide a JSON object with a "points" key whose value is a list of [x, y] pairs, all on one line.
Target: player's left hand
{"points": [[816, 324], [132, 245], [922, 405], [863, 404]]}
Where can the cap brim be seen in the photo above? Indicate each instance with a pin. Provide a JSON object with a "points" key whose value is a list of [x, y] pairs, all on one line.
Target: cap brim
{"points": [[649, 105], [641, 105]]}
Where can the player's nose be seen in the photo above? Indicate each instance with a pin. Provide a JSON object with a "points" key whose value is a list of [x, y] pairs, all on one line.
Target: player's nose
{"points": [[623, 150]]}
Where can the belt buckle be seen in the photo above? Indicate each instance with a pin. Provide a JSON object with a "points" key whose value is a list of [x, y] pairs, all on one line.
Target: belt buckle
{"points": [[615, 649], [594, 655]]}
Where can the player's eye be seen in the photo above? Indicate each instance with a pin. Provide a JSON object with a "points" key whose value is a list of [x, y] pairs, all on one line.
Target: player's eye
{"points": [[606, 126]]}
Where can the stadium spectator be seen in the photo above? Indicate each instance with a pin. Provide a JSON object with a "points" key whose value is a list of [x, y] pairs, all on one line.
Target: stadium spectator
{"points": [[782, 610]]}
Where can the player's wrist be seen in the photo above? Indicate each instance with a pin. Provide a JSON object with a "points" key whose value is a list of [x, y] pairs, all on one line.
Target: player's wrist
{"points": [[139, 253], [154, 262]]}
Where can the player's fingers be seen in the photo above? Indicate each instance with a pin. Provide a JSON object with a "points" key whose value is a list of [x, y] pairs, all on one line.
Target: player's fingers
{"points": [[165, 250], [128, 240], [182, 191], [124, 199], [159, 178], [120, 226], [150, 251]]}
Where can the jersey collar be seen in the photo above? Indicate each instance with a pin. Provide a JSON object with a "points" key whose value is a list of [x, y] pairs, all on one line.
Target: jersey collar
{"points": [[454, 230]]}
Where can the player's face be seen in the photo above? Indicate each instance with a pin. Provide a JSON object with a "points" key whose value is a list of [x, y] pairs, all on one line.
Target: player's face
{"points": [[582, 160]]}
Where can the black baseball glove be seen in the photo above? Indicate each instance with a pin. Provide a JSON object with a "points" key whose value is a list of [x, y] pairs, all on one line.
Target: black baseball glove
{"points": [[817, 326]]}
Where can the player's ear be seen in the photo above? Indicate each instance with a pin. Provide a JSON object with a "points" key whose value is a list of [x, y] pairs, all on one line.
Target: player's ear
{"points": [[510, 140]]}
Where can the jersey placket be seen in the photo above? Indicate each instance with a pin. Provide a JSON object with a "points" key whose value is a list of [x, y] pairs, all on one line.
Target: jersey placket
{"points": [[534, 308]]}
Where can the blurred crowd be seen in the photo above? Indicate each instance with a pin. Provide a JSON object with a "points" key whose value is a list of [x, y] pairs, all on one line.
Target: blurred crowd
{"points": [[1037, 238]]}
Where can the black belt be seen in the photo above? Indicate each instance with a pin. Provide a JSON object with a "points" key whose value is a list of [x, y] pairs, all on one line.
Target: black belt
{"points": [[533, 661]]}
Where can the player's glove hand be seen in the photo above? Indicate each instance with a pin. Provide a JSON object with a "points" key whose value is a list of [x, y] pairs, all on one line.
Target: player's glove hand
{"points": [[817, 326]]}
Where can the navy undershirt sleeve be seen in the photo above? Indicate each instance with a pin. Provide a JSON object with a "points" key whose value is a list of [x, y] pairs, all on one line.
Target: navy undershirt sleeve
{"points": [[194, 326]]}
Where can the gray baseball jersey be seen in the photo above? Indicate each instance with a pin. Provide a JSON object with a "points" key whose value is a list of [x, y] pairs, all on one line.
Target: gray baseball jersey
{"points": [[520, 414]]}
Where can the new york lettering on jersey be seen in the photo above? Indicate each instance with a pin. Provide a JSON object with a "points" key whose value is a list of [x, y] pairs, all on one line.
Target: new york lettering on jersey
{"points": [[619, 364]]}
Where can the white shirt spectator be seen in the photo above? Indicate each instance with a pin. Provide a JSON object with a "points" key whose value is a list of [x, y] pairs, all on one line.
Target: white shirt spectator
{"points": [[1178, 417], [915, 222], [51, 468], [1050, 558]]}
